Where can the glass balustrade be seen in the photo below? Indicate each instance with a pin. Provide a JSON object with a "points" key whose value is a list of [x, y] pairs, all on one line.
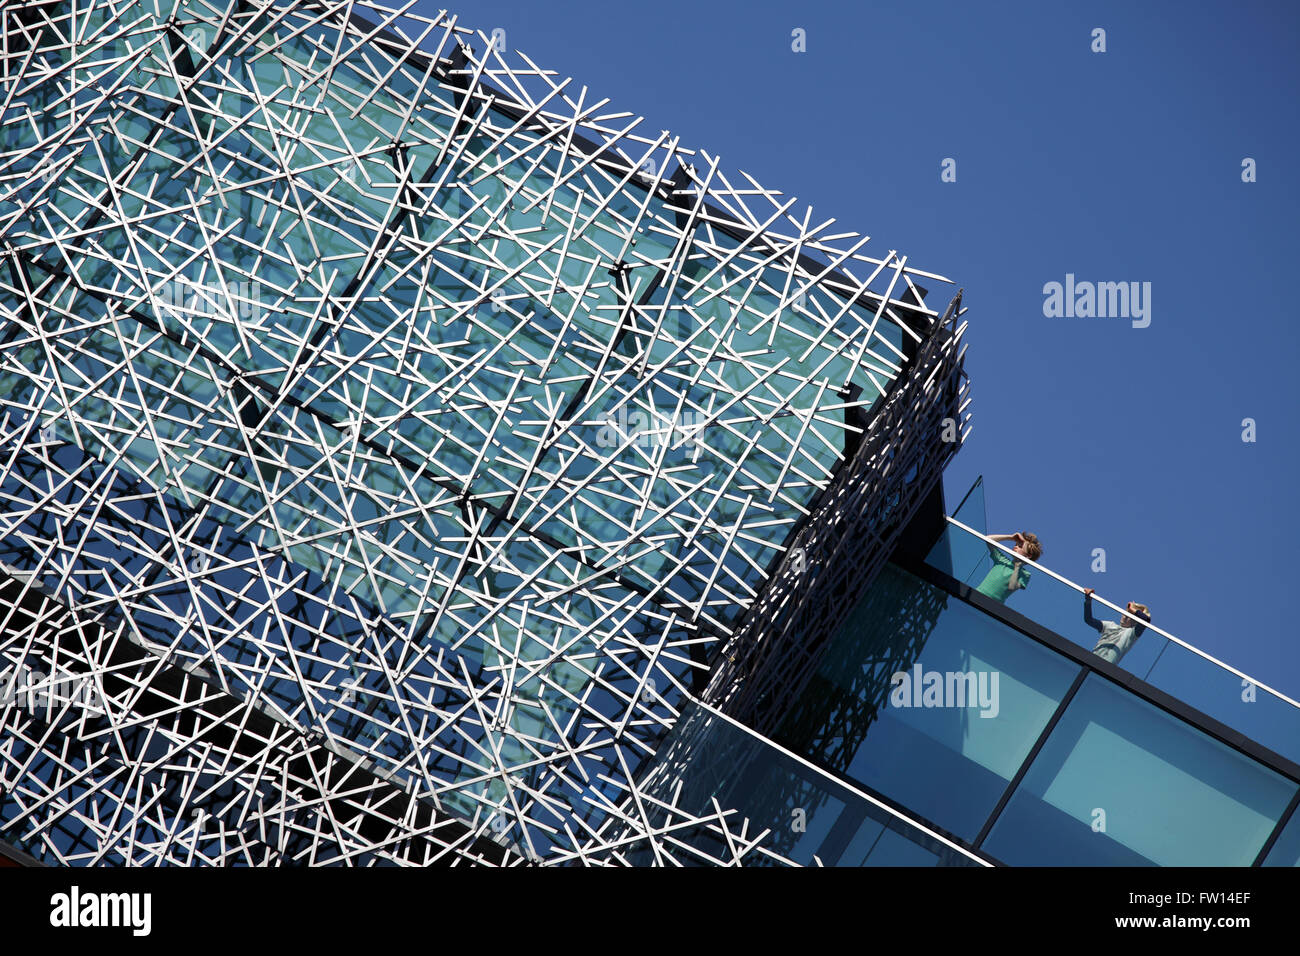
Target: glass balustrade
{"points": [[1059, 605], [724, 784]]}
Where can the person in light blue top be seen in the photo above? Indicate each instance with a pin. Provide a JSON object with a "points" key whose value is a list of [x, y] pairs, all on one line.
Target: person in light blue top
{"points": [[1009, 574], [1116, 639]]}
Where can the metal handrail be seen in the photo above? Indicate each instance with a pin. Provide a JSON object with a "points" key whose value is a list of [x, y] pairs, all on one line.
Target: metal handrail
{"points": [[1146, 626]]}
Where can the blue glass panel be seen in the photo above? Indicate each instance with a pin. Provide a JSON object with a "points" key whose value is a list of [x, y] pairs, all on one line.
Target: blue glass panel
{"points": [[1121, 782], [956, 553], [971, 511], [810, 818]]}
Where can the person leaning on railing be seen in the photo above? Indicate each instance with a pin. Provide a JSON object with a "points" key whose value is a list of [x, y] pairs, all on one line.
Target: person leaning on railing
{"points": [[1009, 574], [1116, 639]]}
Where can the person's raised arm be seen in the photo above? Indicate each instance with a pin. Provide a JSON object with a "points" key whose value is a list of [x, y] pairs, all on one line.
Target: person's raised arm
{"points": [[997, 553], [1088, 619], [1139, 625]]}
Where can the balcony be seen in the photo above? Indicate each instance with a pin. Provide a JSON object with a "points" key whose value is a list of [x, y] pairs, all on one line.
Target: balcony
{"points": [[996, 727], [1158, 658]]}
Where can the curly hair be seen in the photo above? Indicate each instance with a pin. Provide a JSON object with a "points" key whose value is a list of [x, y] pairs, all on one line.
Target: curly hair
{"points": [[1033, 548]]}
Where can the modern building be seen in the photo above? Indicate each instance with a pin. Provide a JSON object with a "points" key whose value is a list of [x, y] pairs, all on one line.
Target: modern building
{"points": [[406, 459], [945, 727]]}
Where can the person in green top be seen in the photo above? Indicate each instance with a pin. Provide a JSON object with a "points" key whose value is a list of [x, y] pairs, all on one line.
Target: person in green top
{"points": [[1009, 574]]}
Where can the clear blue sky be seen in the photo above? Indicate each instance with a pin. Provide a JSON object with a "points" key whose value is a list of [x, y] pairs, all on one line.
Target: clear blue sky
{"points": [[1115, 166]]}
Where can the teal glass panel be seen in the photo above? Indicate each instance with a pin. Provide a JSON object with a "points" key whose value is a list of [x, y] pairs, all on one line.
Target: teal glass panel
{"points": [[1286, 851], [928, 701], [1120, 782]]}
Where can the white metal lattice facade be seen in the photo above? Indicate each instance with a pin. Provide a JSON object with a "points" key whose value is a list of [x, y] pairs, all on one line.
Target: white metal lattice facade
{"points": [[392, 432]]}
